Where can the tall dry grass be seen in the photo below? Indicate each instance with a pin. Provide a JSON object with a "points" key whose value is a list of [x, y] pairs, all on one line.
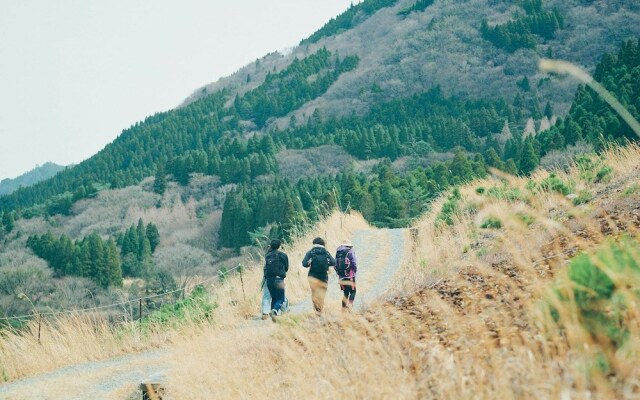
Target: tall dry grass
{"points": [[472, 316]]}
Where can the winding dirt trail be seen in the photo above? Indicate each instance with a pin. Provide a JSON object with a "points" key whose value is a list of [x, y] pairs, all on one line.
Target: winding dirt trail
{"points": [[379, 255]]}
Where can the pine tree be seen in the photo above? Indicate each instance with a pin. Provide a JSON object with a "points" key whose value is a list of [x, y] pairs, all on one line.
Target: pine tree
{"points": [[160, 180], [461, 167], [140, 235], [145, 259], [548, 110], [510, 167], [529, 160], [8, 221], [114, 267], [227, 223], [493, 159], [153, 235], [572, 131], [97, 266]]}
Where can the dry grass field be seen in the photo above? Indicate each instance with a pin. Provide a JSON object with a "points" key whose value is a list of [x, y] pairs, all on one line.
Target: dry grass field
{"points": [[484, 307]]}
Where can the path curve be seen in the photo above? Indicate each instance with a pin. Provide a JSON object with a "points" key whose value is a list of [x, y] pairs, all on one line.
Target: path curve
{"points": [[379, 253]]}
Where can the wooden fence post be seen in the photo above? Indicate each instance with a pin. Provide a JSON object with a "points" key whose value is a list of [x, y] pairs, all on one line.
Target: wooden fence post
{"points": [[240, 267], [151, 391]]}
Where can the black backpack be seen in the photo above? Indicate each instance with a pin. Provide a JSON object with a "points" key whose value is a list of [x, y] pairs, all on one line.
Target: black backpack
{"points": [[343, 264], [273, 265], [319, 261]]}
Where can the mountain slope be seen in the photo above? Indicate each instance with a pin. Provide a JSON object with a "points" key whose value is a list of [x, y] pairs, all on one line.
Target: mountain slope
{"points": [[39, 173], [442, 45], [404, 48]]}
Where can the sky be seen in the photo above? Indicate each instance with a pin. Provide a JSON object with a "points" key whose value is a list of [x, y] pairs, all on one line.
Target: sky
{"points": [[75, 73]]}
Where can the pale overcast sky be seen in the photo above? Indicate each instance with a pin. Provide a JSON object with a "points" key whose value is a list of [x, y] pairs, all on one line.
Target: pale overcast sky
{"points": [[75, 73]]}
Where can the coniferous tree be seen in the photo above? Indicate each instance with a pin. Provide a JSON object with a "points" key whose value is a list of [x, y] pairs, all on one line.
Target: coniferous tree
{"points": [[529, 160], [8, 221], [461, 168], [153, 235], [548, 110], [114, 267], [160, 180], [510, 167]]}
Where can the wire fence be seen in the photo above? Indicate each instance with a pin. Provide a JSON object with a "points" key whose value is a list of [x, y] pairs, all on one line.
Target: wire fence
{"points": [[122, 303]]}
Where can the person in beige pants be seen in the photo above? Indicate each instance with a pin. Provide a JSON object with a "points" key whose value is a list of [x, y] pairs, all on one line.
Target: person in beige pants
{"points": [[318, 260]]}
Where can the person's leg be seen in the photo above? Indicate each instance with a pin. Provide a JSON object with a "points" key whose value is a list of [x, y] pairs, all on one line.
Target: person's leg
{"points": [[314, 289], [322, 291], [272, 291], [352, 294], [318, 291], [278, 294], [266, 300], [345, 294]]}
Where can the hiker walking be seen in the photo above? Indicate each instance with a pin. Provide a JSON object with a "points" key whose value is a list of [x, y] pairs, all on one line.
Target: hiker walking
{"points": [[275, 270], [346, 269], [318, 261]]}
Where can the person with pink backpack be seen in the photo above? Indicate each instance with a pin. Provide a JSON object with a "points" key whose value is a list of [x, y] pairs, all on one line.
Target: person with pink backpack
{"points": [[346, 268]]}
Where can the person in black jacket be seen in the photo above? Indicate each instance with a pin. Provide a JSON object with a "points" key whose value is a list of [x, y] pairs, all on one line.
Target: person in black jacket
{"points": [[275, 270], [318, 260]]}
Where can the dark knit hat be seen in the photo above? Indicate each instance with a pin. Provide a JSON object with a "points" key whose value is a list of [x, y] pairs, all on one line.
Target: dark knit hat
{"points": [[275, 244], [319, 241]]}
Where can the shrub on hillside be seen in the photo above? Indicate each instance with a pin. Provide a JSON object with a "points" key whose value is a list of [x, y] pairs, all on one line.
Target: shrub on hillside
{"points": [[491, 223], [450, 208], [554, 184], [605, 290]]}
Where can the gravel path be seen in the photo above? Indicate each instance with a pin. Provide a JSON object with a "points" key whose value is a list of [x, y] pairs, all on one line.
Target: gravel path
{"points": [[379, 255]]}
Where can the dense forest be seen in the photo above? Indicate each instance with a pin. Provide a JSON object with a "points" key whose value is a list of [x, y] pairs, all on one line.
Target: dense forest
{"points": [[387, 198], [97, 259]]}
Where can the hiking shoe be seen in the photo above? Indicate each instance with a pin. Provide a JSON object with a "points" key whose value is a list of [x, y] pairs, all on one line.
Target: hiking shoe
{"points": [[265, 316], [273, 314]]}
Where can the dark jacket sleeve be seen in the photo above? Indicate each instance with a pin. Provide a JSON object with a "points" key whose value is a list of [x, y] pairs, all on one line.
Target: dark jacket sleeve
{"points": [[285, 261], [332, 261], [305, 261]]}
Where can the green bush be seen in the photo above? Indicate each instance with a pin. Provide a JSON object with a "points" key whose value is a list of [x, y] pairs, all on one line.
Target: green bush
{"points": [[505, 193], [601, 291], [592, 168], [555, 184], [525, 218], [491, 223], [583, 197], [450, 208], [198, 306], [604, 174], [631, 190]]}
